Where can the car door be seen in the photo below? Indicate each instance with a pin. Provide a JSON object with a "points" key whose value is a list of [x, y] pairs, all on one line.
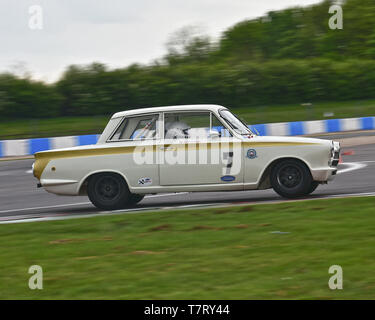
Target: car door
{"points": [[137, 138], [198, 150]]}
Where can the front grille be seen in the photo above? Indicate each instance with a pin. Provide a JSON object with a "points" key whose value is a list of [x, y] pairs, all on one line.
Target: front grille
{"points": [[335, 159]]}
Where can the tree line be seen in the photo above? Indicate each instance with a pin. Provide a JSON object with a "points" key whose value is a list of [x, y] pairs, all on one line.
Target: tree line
{"points": [[288, 56]]}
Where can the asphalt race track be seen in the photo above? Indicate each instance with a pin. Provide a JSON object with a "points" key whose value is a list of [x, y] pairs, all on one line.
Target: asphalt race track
{"points": [[21, 199]]}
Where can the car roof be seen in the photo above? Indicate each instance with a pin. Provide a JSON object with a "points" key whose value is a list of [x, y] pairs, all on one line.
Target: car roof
{"points": [[196, 107]]}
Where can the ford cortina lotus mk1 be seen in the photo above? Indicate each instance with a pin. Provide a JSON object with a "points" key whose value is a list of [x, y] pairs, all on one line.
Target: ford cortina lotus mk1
{"points": [[191, 148]]}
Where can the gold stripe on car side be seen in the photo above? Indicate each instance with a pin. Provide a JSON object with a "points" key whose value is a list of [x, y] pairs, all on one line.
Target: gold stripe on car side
{"points": [[278, 144], [43, 158]]}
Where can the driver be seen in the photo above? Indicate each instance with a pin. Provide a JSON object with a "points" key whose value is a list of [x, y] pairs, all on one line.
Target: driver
{"points": [[176, 130]]}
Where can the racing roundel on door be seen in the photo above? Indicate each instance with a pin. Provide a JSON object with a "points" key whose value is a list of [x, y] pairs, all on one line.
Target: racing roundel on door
{"points": [[251, 154]]}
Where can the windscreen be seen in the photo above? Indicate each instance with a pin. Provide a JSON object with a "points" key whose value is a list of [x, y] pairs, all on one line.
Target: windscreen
{"points": [[235, 123]]}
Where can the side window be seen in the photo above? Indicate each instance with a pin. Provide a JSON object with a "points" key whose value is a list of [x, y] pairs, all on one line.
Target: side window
{"points": [[186, 125], [137, 128], [192, 125]]}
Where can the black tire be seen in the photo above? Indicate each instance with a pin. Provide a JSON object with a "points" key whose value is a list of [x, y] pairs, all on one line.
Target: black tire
{"points": [[291, 179], [135, 198], [108, 191]]}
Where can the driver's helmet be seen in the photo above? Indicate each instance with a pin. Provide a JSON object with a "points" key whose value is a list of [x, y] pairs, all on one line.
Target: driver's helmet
{"points": [[175, 130]]}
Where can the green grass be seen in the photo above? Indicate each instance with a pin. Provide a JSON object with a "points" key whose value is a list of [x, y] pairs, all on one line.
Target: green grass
{"points": [[288, 113], [17, 129], [217, 253], [53, 127]]}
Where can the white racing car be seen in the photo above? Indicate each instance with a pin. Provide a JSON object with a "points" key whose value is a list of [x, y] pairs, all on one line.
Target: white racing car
{"points": [[184, 148]]}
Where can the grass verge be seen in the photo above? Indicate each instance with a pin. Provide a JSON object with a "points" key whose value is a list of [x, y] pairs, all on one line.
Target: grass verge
{"points": [[298, 112], [217, 253], [17, 129]]}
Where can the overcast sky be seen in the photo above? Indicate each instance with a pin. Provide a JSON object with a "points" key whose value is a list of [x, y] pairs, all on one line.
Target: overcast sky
{"points": [[114, 32]]}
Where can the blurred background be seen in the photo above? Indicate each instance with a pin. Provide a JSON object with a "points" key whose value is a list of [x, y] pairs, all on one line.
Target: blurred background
{"points": [[265, 62]]}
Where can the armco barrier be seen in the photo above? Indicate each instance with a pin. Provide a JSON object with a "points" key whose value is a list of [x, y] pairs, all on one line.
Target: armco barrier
{"points": [[11, 148], [315, 127]]}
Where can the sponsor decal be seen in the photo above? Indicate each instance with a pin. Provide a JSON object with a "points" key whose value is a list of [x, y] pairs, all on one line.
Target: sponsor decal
{"points": [[228, 178], [251, 154], [145, 181]]}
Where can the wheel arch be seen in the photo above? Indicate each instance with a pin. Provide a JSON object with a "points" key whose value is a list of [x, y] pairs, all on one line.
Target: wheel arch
{"points": [[264, 181], [82, 188]]}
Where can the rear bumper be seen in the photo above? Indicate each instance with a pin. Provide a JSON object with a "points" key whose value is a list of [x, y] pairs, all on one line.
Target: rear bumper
{"points": [[60, 187]]}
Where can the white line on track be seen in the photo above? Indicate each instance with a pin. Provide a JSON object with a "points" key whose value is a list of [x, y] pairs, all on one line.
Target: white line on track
{"points": [[166, 194], [82, 203], [361, 194], [352, 166], [47, 207], [215, 205]]}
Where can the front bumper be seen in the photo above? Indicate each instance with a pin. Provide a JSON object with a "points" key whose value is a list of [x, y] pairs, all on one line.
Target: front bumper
{"points": [[323, 175], [329, 173]]}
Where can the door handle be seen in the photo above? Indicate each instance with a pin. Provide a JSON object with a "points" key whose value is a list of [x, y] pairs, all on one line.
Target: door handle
{"points": [[168, 148]]}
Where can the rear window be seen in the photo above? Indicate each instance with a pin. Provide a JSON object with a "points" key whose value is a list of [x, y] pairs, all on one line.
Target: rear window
{"points": [[137, 128]]}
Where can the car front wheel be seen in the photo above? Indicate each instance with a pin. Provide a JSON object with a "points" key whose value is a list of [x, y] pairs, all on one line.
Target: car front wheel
{"points": [[108, 191], [291, 179]]}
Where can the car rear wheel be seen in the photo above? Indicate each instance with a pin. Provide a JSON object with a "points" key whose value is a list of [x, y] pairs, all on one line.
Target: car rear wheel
{"points": [[291, 179], [108, 191]]}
